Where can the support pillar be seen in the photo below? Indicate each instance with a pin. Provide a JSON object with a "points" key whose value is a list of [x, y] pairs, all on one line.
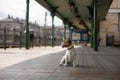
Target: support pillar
{"points": [[64, 29], [27, 26], [52, 37], [92, 27], [5, 38], [70, 31], [95, 29], [91, 9], [119, 27]]}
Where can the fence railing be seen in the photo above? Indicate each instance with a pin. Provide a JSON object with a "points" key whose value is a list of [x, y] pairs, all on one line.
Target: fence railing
{"points": [[14, 38]]}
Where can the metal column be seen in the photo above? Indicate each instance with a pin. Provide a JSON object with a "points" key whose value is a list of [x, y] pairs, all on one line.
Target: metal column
{"points": [[64, 29], [95, 29], [70, 30], [119, 26], [52, 37], [27, 26], [92, 33], [5, 38]]}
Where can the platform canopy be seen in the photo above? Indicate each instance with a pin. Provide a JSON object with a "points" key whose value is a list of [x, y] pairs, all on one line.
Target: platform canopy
{"points": [[77, 12]]}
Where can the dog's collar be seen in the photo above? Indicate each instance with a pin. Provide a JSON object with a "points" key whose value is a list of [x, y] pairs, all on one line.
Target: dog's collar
{"points": [[70, 47]]}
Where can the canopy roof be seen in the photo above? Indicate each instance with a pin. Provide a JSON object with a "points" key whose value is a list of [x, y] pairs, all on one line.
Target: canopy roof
{"points": [[77, 12]]}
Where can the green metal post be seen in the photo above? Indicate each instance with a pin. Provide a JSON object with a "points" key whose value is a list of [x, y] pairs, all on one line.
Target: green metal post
{"points": [[70, 31], [27, 26], [71, 28], [91, 9], [5, 38], [95, 45], [92, 33], [52, 38], [64, 29]]}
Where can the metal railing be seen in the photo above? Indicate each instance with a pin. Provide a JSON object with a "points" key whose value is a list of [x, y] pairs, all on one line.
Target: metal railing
{"points": [[14, 38]]}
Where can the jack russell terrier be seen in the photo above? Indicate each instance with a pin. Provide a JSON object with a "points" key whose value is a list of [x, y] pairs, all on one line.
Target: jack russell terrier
{"points": [[70, 55]]}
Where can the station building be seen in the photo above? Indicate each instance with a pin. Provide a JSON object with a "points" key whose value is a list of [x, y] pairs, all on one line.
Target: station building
{"points": [[109, 28]]}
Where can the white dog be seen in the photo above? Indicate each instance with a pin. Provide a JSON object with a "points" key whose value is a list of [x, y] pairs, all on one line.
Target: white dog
{"points": [[70, 56]]}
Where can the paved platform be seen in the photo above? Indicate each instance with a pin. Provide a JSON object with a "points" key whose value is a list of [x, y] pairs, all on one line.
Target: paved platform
{"points": [[42, 64]]}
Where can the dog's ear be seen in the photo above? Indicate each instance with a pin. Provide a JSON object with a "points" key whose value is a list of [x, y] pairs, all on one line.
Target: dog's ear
{"points": [[70, 41]]}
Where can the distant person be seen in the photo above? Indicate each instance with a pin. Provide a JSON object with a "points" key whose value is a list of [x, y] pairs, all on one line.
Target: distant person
{"points": [[99, 39], [31, 39]]}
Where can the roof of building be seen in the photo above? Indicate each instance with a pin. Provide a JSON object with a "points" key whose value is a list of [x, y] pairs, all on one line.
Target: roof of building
{"points": [[7, 19]]}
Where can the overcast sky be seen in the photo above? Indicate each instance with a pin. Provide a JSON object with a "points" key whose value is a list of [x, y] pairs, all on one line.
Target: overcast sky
{"points": [[17, 8]]}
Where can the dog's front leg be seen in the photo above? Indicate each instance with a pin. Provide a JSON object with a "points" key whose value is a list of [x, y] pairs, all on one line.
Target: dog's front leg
{"points": [[74, 61], [74, 64], [62, 61], [66, 61]]}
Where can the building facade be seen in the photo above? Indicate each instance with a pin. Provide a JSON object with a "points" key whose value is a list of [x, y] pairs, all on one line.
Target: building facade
{"points": [[15, 30], [109, 28]]}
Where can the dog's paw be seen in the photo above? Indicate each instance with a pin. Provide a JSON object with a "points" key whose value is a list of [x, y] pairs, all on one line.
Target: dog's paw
{"points": [[74, 65], [65, 65], [60, 64]]}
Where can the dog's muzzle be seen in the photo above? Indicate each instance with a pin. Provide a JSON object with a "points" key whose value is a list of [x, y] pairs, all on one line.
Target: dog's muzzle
{"points": [[70, 47], [64, 46]]}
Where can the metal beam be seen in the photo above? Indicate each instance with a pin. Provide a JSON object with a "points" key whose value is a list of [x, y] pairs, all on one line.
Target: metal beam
{"points": [[51, 9]]}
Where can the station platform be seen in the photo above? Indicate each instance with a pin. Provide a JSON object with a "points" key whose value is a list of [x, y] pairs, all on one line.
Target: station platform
{"points": [[43, 64]]}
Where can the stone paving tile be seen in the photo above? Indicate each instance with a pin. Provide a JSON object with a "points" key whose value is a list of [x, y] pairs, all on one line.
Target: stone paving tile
{"points": [[79, 78], [101, 65]]}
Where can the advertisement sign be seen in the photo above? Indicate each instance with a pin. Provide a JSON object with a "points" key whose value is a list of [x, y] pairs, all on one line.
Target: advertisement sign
{"points": [[76, 36]]}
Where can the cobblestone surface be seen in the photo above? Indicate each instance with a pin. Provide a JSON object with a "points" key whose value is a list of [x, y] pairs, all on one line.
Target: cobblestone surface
{"points": [[42, 64]]}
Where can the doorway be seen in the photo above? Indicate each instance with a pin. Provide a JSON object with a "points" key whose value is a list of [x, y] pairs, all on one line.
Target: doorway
{"points": [[110, 39]]}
